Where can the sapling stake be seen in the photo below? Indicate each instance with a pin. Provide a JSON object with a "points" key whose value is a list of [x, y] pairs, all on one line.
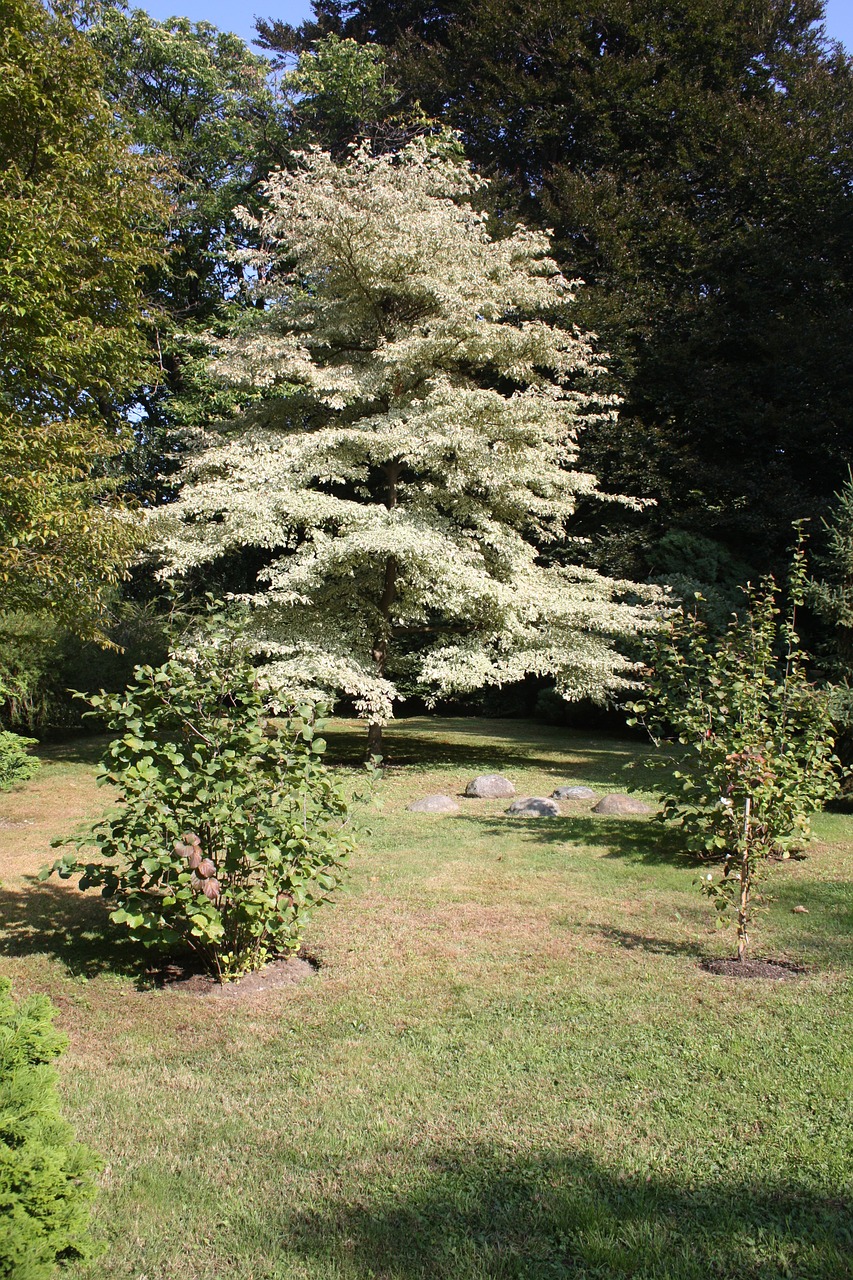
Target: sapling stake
{"points": [[743, 906]]}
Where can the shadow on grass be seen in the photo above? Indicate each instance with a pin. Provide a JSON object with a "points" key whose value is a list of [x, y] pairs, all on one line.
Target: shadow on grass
{"points": [[77, 750], [489, 746], [561, 1216], [629, 838], [46, 918], [654, 946]]}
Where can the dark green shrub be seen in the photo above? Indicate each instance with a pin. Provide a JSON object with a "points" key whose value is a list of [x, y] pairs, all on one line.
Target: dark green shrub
{"points": [[230, 830], [829, 594], [16, 763], [41, 664], [46, 1177]]}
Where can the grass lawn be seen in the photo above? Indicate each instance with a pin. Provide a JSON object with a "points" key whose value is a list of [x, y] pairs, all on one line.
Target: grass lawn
{"points": [[508, 1065]]}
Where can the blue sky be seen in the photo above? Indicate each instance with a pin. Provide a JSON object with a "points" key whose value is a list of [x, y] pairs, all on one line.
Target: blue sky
{"points": [[231, 15]]}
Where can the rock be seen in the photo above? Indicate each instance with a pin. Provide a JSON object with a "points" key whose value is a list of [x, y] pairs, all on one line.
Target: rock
{"points": [[574, 793], [533, 807], [490, 786], [619, 804], [433, 804]]}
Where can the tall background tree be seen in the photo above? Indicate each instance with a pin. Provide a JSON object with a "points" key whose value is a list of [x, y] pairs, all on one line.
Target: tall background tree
{"points": [[204, 109], [696, 165], [79, 214]]}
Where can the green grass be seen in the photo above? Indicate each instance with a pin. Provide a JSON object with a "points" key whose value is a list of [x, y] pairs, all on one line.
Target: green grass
{"points": [[509, 1064]]}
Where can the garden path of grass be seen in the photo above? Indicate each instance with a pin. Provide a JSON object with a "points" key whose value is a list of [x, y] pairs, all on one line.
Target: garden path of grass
{"points": [[509, 1064]]}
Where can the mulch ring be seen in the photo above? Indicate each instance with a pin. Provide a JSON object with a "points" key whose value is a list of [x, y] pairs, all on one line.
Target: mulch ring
{"points": [[775, 970], [185, 975]]}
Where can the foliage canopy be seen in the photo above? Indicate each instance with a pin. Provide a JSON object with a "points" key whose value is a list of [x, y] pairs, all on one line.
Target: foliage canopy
{"points": [[78, 222], [411, 447], [695, 164]]}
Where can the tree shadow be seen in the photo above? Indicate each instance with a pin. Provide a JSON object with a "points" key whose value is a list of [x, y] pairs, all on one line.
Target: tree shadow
{"points": [[653, 946], [46, 918], [476, 1214], [488, 746], [636, 840], [633, 839], [81, 749]]}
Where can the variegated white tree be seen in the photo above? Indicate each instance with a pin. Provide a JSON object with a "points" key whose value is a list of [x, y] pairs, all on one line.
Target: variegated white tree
{"points": [[411, 447]]}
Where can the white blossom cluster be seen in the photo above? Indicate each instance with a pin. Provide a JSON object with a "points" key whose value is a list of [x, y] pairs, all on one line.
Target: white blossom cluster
{"points": [[411, 445]]}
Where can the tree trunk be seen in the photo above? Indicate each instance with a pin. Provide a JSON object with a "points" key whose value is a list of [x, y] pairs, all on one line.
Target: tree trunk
{"points": [[374, 740], [380, 648], [386, 600]]}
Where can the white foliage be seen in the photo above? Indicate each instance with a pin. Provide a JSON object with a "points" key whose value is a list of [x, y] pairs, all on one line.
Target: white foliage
{"points": [[416, 425]]}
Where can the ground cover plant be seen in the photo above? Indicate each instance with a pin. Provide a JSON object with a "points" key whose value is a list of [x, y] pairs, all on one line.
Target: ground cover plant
{"points": [[229, 830], [509, 1063]]}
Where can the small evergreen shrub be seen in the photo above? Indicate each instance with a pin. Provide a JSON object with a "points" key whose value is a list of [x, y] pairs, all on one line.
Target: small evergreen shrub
{"points": [[16, 763], [46, 1177], [230, 830]]}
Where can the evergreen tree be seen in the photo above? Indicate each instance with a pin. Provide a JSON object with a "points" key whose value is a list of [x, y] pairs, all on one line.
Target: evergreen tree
{"points": [[411, 448], [695, 163]]}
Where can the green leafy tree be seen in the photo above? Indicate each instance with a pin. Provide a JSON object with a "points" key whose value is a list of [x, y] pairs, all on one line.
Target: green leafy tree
{"points": [[748, 737], [78, 217], [46, 1177], [413, 442], [230, 831], [341, 91], [205, 112]]}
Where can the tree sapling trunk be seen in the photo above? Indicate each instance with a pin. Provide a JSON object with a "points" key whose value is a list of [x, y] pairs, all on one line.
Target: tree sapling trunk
{"points": [[743, 901]]}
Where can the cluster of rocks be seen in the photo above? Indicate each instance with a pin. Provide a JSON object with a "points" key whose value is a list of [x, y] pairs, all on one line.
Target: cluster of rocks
{"points": [[494, 786]]}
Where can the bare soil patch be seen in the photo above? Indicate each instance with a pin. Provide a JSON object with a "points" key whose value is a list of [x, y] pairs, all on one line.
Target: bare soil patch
{"points": [[185, 976], [774, 970]]}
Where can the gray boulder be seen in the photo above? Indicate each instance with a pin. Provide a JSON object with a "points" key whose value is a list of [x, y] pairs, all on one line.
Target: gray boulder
{"points": [[533, 807], [433, 804], [574, 793], [490, 786], [619, 804]]}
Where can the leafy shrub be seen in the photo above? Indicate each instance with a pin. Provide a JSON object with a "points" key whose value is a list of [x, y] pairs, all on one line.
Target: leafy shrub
{"points": [[230, 829], [16, 764], [749, 739], [46, 1177]]}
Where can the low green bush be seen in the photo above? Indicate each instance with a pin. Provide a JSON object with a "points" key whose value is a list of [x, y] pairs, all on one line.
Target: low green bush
{"points": [[16, 763], [46, 1177], [230, 830]]}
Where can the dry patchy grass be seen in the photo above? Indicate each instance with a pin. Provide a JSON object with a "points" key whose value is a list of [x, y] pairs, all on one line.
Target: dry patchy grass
{"points": [[508, 1065]]}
